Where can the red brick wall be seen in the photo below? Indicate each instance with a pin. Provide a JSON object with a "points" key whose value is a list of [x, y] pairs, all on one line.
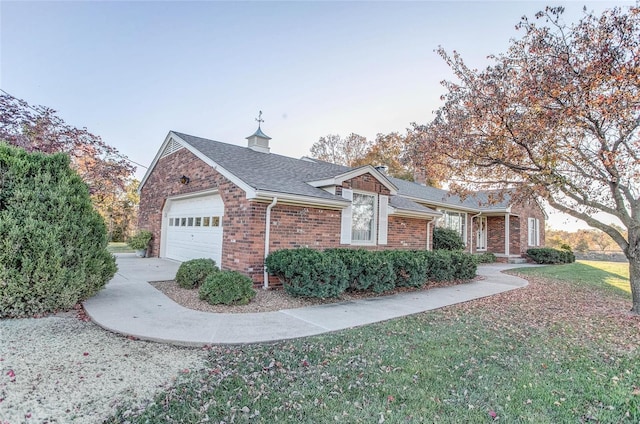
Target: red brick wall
{"points": [[365, 182], [243, 229], [514, 235], [528, 209], [495, 234], [244, 221], [407, 233]]}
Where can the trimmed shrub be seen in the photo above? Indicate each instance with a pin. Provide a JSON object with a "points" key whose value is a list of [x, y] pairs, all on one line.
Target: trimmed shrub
{"points": [[441, 266], [192, 274], [446, 239], [485, 258], [227, 288], [308, 273], [546, 255], [464, 265], [410, 267], [366, 269], [53, 244]]}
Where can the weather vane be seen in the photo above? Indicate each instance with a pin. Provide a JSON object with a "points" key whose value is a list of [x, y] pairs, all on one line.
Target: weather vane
{"points": [[259, 119]]}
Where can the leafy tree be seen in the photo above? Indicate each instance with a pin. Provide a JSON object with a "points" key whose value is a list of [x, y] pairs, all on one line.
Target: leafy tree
{"points": [[390, 150], [556, 116], [119, 208], [341, 151], [40, 129], [52, 242]]}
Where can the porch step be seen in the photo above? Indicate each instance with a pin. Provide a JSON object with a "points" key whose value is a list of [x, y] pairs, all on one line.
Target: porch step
{"points": [[517, 261]]}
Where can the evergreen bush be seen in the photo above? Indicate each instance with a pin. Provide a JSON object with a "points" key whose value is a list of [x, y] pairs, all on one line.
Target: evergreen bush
{"points": [[410, 267], [464, 265], [441, 266], [53, 244], [366, 270], [446, 239], [192, 273], [308, 273], [547, 255], [140, 240], [227, 288]]}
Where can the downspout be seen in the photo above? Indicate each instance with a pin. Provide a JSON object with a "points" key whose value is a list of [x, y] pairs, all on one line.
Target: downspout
{"points": [[267, 231], [474, 216]]}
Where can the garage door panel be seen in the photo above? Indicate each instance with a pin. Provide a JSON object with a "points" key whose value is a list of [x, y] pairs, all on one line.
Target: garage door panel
{"points": [[194, 240]]}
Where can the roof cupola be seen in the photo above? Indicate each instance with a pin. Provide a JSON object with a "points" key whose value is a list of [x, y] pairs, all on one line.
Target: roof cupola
{"points": [[259, 141]]}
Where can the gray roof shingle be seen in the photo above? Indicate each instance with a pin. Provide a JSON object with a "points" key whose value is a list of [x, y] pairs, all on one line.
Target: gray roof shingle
{"points": [[282, 174]]}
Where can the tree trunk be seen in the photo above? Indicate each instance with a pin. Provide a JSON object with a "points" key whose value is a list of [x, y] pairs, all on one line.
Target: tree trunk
{"points": [[633, 254]]}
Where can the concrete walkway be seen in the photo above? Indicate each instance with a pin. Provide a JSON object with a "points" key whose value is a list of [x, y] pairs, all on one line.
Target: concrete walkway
{"points": [[130, 306]]}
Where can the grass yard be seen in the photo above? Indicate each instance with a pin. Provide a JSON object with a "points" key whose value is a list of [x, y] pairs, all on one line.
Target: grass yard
{"points": [[554, 352], [115, 247], [604, 274]]}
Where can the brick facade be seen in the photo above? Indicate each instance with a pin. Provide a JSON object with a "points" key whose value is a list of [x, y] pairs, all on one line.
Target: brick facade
{"points": [[243, 223], [293, 226]]}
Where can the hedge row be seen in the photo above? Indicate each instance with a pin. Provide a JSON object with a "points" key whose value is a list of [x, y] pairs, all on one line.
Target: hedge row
{"points": [[546, 255], [312, 273]]}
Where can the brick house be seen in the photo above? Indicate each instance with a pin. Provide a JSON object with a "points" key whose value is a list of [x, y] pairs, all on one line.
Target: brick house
{"points": [[203, 198]]}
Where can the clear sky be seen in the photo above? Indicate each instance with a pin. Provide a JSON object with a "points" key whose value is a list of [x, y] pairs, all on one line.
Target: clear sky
{"points": [[131, 71]]}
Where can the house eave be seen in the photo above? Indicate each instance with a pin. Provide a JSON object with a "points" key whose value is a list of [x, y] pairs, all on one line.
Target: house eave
{"points": [[401, 213], [298, 200]]}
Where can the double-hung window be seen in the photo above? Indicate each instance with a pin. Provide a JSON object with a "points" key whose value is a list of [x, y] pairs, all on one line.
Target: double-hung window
{"points": [[365, 221], [363, 218], [455, 221], [534, 232]]}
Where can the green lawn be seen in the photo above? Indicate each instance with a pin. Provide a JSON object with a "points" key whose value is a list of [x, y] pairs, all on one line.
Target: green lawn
{"points": [[613, 274], [114, 247], [553, 352]]}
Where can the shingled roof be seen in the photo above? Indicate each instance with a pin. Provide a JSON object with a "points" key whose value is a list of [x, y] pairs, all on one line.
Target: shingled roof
{"points": [[269, 172]]}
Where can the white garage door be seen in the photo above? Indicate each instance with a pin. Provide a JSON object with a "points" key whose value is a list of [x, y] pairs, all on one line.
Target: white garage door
{"points": [[194, 228]]}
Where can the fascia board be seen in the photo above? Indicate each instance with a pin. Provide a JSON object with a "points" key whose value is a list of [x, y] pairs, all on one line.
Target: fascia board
{"points": [[443, 205], [154, 162], [412, 214], [339, 179], [261, 195]]}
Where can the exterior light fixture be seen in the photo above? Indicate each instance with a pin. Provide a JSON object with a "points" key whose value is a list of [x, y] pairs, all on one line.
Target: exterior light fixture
{"points": [[184, 180]]}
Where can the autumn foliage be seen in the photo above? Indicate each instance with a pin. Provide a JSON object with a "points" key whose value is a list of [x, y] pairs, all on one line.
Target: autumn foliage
{"points": [[557, 117]]}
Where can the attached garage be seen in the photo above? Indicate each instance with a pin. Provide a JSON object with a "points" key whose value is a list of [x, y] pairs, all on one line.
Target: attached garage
{"points": [[192, 228]]}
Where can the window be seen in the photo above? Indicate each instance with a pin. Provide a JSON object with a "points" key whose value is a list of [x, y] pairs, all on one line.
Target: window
{"points": [[170, 222], [197, 221], [363, 218], [455, 221], [215, 221], [183, 222], [534, 232], [205, 221], [190, 222]]}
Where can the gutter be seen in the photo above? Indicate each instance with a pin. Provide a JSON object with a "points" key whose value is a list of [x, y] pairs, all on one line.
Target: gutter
{"points": [[267, 232]]}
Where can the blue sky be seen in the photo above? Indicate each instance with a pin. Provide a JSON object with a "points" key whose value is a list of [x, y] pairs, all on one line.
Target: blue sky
{"points": [[132, 71]]}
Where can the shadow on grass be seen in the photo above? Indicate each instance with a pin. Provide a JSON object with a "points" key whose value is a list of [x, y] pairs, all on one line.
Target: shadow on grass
{"points": [[608, 275]]}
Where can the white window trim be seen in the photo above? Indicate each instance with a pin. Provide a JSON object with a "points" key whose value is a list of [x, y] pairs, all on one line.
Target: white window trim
{"points": [[533, 232], [464, 214], [374, 231]]}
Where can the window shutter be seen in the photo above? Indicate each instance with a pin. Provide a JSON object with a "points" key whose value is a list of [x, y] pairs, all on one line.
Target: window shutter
{"points": [[383, 219], [537, 232], [345, 227]]}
